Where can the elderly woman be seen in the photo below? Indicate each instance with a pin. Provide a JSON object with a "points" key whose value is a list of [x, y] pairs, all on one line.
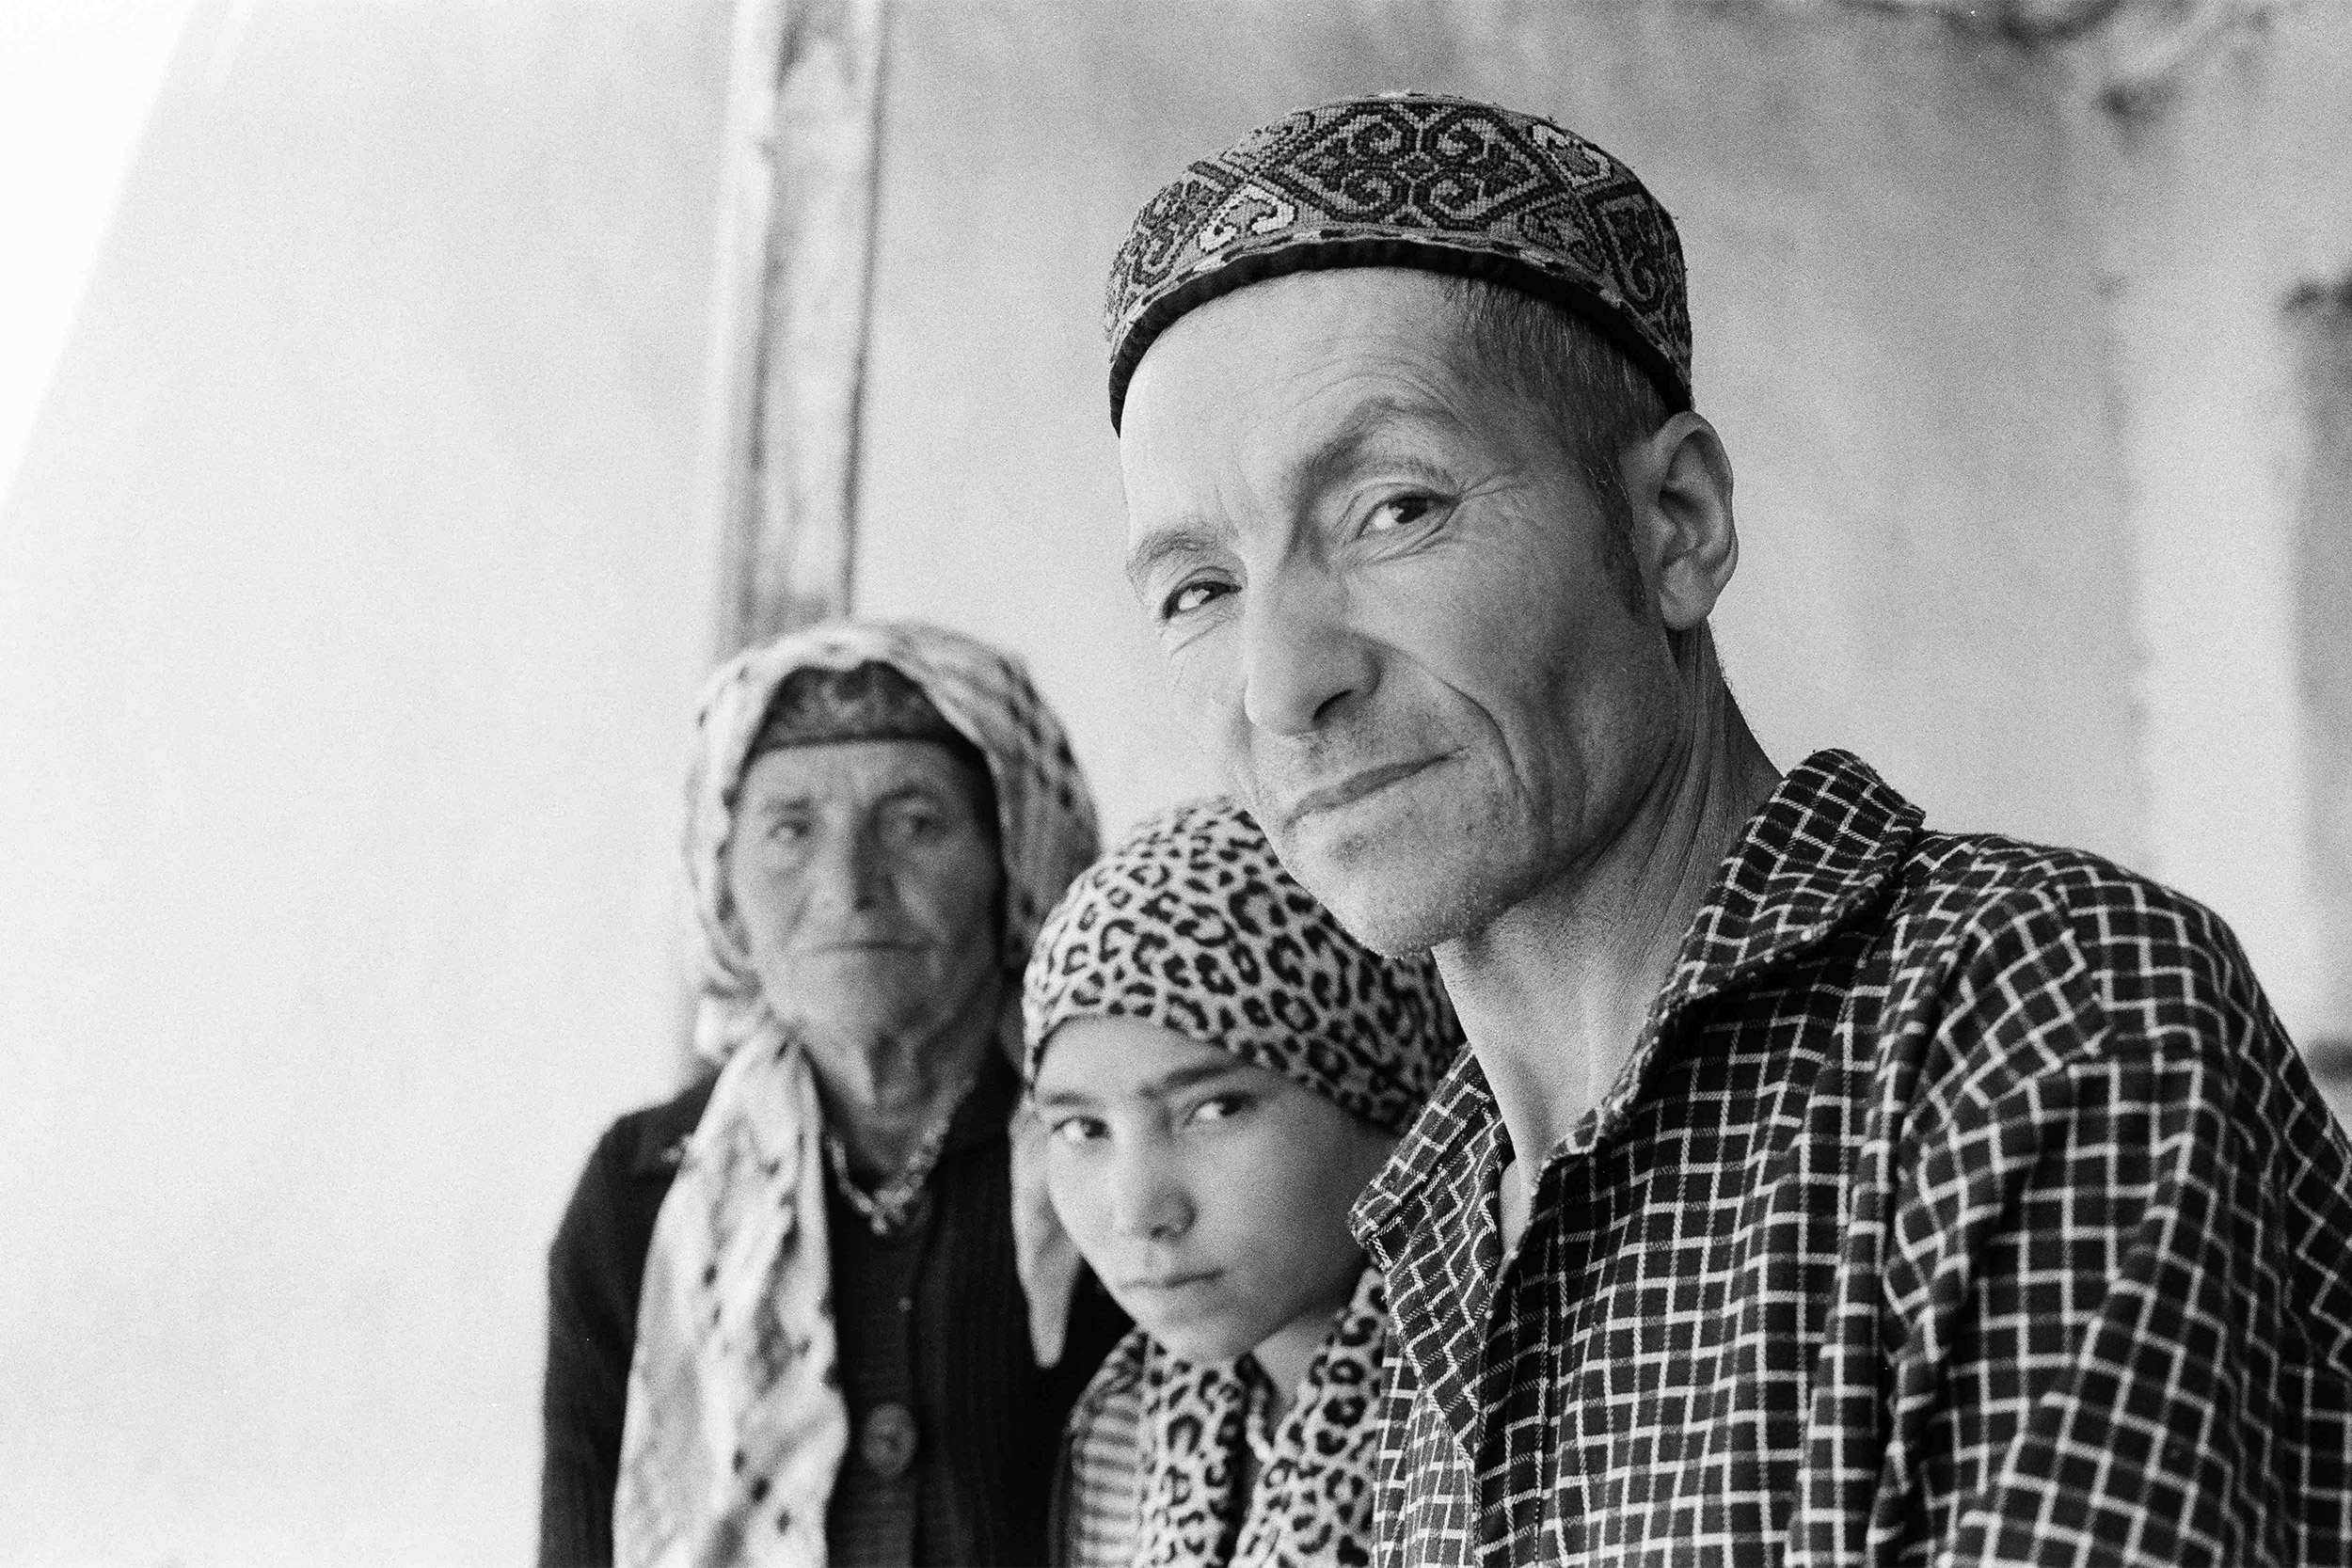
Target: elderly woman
{"points": [[796, 1314], [1223, 1069]]}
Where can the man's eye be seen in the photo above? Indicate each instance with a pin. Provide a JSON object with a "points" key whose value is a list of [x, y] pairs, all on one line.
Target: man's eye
{"points": [[1077, 1130], [1191, 596], [1398, 512]]}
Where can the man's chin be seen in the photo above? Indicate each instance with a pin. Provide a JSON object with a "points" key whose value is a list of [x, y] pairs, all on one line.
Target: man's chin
{"points": [[1397, 925], [1396, 893]]}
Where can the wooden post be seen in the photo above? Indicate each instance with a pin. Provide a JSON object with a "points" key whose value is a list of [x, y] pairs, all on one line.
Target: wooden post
{"points": [[788, 329], [796, 236]]}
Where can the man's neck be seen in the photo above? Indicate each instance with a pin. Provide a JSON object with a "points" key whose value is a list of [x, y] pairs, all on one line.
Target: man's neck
{"points": [[1553, 994]]}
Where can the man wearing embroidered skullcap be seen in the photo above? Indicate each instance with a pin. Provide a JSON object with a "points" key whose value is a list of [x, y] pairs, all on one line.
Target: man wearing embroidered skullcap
{"points": [[1819, 1187]]}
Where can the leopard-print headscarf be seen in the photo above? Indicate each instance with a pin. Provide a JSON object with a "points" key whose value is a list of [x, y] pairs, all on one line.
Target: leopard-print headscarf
{"points": [[1310, 1503], [1157, 1448], [1192, 924], [734, 1426]]}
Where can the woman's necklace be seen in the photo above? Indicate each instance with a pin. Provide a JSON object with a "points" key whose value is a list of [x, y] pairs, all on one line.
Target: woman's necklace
{"points": [[887, 1210]]}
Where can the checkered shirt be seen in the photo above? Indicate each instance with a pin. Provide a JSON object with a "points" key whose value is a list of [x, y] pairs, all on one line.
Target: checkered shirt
{"points": [[1963, 1202]]}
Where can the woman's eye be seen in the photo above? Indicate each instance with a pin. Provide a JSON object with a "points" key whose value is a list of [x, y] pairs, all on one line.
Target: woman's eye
{"points": [[1221, 1107], [919, 826], [1398, 512], [789, 829], [1191, 596], [1077, 1130]]}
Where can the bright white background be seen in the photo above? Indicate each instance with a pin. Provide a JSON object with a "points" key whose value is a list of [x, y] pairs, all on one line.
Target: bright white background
{"points": [[77, 83], [351, 612]]}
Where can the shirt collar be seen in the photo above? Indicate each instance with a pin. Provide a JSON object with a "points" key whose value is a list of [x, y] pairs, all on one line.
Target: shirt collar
{"points": [[1457, 1133], [1821, 851]]}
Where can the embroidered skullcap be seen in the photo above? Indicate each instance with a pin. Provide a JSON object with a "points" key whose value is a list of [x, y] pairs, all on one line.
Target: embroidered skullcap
{"points": [[1192, 924], [1411, 180]]}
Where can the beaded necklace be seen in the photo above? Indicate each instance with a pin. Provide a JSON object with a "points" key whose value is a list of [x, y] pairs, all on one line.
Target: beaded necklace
{"points": [[888, 1209]]}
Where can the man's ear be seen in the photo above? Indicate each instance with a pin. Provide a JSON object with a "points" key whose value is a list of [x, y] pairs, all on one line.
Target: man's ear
{"points": [[1677, 481]]}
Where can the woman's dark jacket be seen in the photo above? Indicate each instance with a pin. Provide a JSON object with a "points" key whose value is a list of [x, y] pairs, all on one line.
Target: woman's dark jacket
{"points": [[932, 1321]]}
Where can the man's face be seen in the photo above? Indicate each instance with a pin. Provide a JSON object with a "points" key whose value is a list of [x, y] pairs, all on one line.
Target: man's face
{"points": [[1384, 589]]}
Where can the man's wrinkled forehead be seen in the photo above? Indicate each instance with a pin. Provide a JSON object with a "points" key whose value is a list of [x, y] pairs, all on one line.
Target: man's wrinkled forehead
{"points": [[1290, 387], [1283, 341]]}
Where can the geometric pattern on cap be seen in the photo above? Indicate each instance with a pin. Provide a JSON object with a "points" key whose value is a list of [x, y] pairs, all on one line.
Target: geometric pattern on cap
{"points": [[1410, 179]]}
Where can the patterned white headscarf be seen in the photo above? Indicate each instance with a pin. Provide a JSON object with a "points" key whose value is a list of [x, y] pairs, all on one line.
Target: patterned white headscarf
{"points": [[734, 1426]]}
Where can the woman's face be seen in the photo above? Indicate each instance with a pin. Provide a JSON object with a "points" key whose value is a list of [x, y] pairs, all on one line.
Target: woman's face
{"points": [[868, 884], [1210, 1194]]}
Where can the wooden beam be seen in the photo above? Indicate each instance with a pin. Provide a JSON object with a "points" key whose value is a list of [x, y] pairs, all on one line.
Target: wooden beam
{"points": [[796, 236]]}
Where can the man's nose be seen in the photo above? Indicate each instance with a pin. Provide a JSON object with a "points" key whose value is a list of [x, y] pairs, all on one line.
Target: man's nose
{"points": [[1147, 1204], [1300, 659]]}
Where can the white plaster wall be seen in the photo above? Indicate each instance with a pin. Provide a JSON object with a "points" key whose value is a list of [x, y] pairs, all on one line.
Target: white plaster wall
{"points": [[2226, 192], [350, 618], [76, 81]]}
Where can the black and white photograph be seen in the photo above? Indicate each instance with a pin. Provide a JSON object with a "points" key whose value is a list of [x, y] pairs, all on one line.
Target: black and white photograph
{"points": [[1176, 784]]}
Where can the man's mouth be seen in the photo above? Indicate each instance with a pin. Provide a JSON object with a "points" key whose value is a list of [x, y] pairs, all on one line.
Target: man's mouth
{"points": [[1359, 786]]}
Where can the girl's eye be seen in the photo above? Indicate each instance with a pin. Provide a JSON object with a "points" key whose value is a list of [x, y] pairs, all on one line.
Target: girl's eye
{"points": [[1398, 512], [1191, 596], [1077, 1130], [1220, 1107]]}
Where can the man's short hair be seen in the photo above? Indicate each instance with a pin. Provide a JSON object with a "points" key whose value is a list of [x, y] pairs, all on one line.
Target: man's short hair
{"points": [[1559, 362]]}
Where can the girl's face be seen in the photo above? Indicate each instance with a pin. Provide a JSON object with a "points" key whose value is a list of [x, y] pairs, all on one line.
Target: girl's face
{"points": [[1210, 1194]]}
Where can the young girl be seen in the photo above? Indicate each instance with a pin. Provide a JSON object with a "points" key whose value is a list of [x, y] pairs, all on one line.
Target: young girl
{"points": [[1223, 1069]]}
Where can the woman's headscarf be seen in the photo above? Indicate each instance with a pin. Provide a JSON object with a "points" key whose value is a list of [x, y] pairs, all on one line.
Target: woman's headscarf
{"points": [[1192, 924], [734, 1426]]}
